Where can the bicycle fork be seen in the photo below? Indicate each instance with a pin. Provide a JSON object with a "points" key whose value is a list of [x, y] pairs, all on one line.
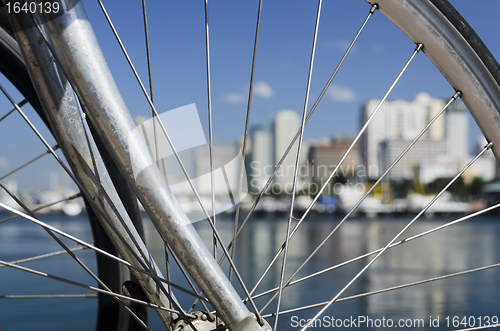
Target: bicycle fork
{"points": [[75, 47]]}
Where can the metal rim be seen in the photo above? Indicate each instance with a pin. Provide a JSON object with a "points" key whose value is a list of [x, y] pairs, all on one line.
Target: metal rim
{"points": [[443, 44]]}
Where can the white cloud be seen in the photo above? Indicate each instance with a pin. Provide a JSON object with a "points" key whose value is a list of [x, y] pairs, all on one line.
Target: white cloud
{"points": [[341, 93], [263, 89], [234, 98]]}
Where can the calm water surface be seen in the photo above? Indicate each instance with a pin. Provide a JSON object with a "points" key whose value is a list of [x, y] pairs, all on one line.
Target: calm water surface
{"points": [[471, 244]]}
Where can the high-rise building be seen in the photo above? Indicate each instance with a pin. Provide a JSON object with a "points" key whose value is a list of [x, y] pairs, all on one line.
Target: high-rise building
{"points": [[457, 129], [227, 167], [395, 120], [261, 158], [437, 130], [285, 125], [398, 122], [424, 150], [323, 158]]}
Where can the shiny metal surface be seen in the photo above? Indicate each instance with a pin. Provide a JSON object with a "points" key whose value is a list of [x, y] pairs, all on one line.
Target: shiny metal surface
{"points": [[72, 132], [75, 46]]}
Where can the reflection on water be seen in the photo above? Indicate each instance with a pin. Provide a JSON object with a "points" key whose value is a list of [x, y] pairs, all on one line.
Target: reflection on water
{"points": [[471, 244], [21, 239]]}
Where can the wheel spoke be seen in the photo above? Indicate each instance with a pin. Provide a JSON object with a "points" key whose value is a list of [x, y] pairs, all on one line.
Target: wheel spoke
{"points": [[153, 108], [174, 150], [481, 327], [245, 134], [88, 287], [365, 126], [233, 304], [90, 199], [144, 261], [210, 133], [55, 148], [39, 135], [361, 257], [70, 252], [44, 256], [22, 103], [455, 96], [148, 50], [153, 116], [98, 250], [285, 154], [49, 296], [186, 276], [150, 79], [74, 196], [52, 151], [167, 268], [229, 250], [361, 295], [296, 169], [487, 147]]}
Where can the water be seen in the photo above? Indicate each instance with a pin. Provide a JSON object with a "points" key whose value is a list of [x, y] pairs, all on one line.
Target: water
{"points": [[471, 244]]}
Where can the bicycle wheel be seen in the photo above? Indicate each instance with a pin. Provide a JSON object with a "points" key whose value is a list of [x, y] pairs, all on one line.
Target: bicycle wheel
{"points": [[448, 41]]}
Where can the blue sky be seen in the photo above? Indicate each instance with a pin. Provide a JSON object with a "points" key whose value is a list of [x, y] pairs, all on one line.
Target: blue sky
{"points": [[178, 46], [282, 60]]}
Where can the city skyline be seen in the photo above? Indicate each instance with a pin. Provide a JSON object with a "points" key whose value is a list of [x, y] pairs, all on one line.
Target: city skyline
{"points": [[293, 118], [441, 152]]}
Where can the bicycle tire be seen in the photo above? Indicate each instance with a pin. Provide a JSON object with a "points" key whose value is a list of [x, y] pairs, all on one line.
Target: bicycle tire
{"points": [[470, 35]]}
